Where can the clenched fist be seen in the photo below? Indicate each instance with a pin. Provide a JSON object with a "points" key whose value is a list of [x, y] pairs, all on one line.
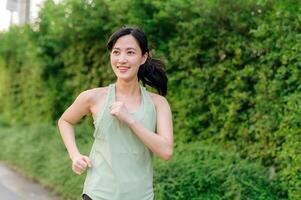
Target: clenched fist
{"points": [[80, 163], [118, 110]]}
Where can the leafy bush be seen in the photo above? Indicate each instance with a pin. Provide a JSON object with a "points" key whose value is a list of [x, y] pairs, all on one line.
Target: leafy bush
{"points": [[233, 66], [197, 171], [39, 152], [204, 171], [22, 87]]}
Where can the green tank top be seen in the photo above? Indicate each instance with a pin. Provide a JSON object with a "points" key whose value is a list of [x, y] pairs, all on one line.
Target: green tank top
{"points": [[121, 164]]}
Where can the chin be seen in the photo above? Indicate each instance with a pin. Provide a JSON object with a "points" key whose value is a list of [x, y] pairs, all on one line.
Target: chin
{"points": [[123, 77], [126, 78]]}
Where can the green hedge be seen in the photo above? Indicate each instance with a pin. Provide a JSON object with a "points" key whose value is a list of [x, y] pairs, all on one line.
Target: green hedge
{"points": [[39, 153], [197, 171], [202, 171], [233, 66]]}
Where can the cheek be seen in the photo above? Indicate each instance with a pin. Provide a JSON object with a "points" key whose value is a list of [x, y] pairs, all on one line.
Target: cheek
{"points": [[137, 60]]}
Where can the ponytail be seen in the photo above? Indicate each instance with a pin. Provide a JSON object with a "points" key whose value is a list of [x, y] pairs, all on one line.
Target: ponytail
{"points": [[153, 74]]}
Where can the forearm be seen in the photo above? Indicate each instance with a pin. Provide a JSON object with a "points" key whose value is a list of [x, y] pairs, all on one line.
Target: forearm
{"points": [[156, 143], [67, 133]]}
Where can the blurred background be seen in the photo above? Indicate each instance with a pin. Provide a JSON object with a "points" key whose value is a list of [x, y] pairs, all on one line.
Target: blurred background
{"points": [[19, 12], [234, 71]]}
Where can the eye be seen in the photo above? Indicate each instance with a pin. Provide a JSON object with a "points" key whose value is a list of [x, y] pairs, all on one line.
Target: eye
{"points": [[115, 52], [131, 52]]}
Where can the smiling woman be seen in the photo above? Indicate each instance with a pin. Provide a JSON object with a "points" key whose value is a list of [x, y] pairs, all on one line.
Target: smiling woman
{"points": [[130, 123]]}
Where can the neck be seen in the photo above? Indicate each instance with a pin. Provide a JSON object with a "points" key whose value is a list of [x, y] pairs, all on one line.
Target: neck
{"points": [[131, 88]]}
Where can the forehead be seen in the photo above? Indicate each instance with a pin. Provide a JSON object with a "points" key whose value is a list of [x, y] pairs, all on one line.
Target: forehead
{"points": [[125, 42]]}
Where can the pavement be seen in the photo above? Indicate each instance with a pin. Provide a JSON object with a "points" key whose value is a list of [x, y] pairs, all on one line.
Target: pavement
{"points": [[13, 186]]}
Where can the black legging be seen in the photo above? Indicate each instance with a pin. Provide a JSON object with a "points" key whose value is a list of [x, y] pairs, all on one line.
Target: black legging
{"points": [[86, 197]]}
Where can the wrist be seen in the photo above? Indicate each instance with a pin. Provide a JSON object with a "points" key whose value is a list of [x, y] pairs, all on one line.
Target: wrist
{"points": [[131, 121], [74, 155]]}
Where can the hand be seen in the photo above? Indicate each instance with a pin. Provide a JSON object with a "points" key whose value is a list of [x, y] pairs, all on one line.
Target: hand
{"points": [[80, 163], [118, 110]]}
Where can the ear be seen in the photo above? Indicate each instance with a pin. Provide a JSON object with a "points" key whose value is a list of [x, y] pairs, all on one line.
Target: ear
{"points": [[144, 58]]}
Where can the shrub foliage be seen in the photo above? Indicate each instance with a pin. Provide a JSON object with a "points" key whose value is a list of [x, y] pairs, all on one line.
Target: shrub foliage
{"points": [[233, 68]]}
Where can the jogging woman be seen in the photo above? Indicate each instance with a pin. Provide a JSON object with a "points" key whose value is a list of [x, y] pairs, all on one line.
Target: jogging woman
{"points": [[131, 123]]}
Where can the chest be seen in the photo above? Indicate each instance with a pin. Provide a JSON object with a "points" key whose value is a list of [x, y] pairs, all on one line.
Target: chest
{"points": [[132, 104]]}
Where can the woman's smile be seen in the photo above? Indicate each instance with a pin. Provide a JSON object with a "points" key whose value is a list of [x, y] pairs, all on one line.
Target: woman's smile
{"points": [[123, 69]]}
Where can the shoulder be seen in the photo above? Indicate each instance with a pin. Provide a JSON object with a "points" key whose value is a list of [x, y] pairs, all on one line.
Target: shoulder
{"points": [[92, 95], [158, 100]]}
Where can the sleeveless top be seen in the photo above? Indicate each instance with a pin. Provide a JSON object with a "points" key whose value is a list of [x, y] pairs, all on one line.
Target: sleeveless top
{"points": [[121, 164]]}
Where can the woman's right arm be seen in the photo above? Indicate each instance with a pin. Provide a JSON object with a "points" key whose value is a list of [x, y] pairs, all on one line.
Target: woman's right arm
{"points": [[79, 108]]}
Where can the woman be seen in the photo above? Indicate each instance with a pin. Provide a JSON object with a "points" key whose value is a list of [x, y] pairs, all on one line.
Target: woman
{"points": [[130, 123]]}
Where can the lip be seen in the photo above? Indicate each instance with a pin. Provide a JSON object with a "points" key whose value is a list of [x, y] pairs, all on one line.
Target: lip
{"points": [[123, 69]]}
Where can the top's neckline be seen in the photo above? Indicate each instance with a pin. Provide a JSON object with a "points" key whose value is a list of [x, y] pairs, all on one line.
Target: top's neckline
{"points": [[141, 102]]}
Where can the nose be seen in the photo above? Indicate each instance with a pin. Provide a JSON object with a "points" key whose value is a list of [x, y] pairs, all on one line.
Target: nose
{"points": [[122, 58]]}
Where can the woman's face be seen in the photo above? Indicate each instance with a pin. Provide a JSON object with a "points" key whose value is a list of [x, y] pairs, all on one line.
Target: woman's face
{"points": [[126, 58]]}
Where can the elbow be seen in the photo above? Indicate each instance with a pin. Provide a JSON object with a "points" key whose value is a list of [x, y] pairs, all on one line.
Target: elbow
{"points": [[167, 155], [59, 122]]}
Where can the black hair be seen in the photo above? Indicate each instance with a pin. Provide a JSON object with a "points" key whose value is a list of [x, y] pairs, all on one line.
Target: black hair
{"points": [[152, 71]]}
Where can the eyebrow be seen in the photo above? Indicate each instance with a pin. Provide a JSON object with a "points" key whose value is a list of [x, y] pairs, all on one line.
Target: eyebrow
{"points": [[129, 48]]}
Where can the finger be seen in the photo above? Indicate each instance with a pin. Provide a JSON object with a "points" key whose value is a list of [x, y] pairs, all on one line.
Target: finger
{"points": [[81, 162], [80, 170], [88, 161], [76, 171], [113, 111], [79, 167], [113, 106]]}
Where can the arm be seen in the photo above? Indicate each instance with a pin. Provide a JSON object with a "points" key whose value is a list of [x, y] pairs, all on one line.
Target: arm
{"points": [[69, 118], [162, 142]]}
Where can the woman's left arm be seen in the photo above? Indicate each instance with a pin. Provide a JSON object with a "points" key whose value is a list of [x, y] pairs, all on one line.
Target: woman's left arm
{"points": [[161, 143]]}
